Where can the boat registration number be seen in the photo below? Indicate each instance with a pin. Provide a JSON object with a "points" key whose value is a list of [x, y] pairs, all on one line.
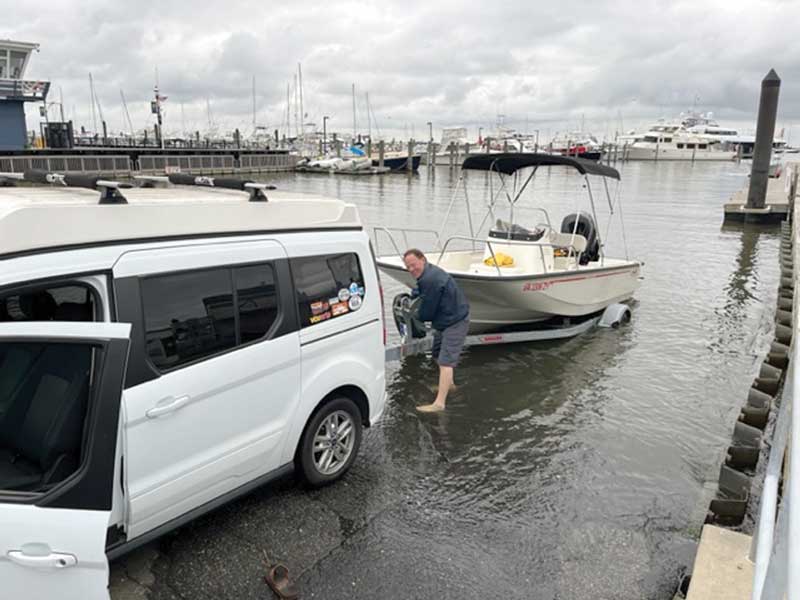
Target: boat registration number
{"points": [[536, 286]]}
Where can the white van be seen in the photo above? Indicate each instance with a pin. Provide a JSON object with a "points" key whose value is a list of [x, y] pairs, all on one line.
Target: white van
{"points": [[163, 351]]}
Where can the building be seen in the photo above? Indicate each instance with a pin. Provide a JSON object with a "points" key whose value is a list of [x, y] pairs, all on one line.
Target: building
{"points": [[15, 91]]}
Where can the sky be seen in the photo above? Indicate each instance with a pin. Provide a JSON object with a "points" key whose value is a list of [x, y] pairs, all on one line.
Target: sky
{"points": [[531, 65]]}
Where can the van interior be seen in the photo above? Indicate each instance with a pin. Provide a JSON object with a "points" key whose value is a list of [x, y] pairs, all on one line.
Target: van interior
{"points": [[44, 390]]}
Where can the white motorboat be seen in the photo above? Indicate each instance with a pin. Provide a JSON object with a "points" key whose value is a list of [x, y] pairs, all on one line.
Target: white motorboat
{"points": [[516, 275]]}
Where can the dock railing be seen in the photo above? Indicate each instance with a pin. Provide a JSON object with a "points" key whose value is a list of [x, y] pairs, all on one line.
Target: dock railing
{"points": [[775, 548], [105, 163]]}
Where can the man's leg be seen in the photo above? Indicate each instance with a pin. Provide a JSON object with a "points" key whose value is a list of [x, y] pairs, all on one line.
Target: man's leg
{"points": [[451, 344], [445, 383]]}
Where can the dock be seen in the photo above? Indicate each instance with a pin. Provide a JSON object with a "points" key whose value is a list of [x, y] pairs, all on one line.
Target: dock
{"points": [[777, 204], [738, 559]]}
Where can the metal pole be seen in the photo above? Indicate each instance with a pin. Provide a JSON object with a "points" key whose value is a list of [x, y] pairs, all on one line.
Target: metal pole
{"points": [[381, 152], [765, 132], [410, 158], [594, 215]]}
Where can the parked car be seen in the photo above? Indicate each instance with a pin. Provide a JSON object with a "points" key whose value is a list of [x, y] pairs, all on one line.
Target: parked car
{"points": [[164, 353]]}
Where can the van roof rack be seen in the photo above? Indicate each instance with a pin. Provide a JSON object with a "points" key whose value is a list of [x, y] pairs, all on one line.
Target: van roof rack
{"points": [[256, 190], [109, 190]]}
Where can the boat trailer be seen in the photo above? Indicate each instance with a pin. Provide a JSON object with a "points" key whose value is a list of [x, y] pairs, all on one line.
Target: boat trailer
{"points": [[416, 337]]}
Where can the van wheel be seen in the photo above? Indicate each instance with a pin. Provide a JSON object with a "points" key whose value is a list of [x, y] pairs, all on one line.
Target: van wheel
{"points": [[330, 442]]}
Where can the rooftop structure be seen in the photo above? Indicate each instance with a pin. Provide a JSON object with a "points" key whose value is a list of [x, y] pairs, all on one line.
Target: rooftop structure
{"points": [[34, 219], [15, 91]]}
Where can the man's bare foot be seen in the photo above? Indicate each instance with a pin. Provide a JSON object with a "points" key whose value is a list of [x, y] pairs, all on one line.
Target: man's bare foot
{"points": [[427, 408]]}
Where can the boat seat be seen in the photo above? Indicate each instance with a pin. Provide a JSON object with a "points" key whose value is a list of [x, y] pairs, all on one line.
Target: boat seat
{"points": [[565, 240], [42, 429], [511, 231]]}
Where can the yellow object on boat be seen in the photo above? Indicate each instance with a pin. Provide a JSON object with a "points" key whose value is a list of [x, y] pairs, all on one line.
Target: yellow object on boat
{"points": [[503, 260]]}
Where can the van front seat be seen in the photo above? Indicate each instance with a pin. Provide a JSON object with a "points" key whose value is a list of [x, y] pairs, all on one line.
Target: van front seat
{"points": [[42, 429]]}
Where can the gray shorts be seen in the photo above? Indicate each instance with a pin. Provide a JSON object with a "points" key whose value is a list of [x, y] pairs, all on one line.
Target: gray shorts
{"points": [[448, 344]]}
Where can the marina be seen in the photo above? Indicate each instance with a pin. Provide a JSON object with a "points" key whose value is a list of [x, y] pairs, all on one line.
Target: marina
{"points": [[229, 327], [568, 468]]}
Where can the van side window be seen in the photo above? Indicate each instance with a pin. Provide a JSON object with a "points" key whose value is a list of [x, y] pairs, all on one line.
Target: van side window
{"points": [[257, 299], [65, 302], [327, 286], [188, 316], [196, 314]]}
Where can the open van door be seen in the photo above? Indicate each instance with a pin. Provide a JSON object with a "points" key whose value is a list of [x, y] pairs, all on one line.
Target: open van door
{"points": [[60, 392]]}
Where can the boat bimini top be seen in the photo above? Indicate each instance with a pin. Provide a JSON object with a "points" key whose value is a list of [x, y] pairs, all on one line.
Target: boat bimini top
{"points": [[510, 162]]}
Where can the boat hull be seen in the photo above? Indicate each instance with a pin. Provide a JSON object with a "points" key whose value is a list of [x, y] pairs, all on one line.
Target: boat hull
{"points": [[498, 302], [647, 153], [399, 163]]}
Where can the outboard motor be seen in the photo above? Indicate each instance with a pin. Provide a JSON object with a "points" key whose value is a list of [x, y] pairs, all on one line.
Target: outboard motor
{"points": [[588, 229], [405, 310]]}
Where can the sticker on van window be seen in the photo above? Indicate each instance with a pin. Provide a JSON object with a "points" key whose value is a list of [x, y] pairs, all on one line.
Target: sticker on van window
{"points": [[333, 300], [361, 292], [319, 307], [344, 295], [353, 288], [355, 302], [320, 317], [340, 308]]}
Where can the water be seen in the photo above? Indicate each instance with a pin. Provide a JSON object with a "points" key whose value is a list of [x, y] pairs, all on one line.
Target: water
{"points": [[571, 469]]}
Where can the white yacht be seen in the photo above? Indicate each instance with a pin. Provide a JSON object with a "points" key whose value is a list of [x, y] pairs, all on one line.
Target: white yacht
{"points": [[678, 144]]}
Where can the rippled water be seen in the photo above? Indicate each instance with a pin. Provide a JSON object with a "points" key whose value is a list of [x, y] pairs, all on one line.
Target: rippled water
{"points": [[580, 468]]}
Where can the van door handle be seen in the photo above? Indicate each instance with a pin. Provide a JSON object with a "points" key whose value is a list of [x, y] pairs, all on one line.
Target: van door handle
{"points": [[166, 406], [54, 560]]}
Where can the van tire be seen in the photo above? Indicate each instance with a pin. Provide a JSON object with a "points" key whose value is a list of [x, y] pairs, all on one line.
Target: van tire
{"points": [[341, 413]]}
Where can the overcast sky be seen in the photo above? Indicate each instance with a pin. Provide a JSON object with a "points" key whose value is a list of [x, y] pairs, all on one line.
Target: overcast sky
{"points": [[543, 65]]}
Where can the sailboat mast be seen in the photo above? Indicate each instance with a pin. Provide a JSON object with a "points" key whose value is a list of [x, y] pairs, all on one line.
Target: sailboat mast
{"points": [[127, 114], [254, 102], [302, 114], [288, 118], [354, 112], [91, 97], [369, 120], [296, 121]]}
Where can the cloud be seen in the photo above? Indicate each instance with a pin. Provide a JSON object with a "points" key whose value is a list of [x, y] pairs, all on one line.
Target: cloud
{"points": [[545, 64]]}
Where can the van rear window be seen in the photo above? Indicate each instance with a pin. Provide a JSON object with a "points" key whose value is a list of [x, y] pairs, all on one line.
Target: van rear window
{"points": [[328, 286]]}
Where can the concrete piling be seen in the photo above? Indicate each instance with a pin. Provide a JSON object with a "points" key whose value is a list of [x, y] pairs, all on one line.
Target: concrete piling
{"points": [[765, 132]]}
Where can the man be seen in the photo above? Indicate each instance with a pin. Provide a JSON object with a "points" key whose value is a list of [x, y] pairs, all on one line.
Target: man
{"points": [[444, 304]]}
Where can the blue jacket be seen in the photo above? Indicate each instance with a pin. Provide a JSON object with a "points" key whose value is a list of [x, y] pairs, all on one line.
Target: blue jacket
{"points": [[443, 302]]}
